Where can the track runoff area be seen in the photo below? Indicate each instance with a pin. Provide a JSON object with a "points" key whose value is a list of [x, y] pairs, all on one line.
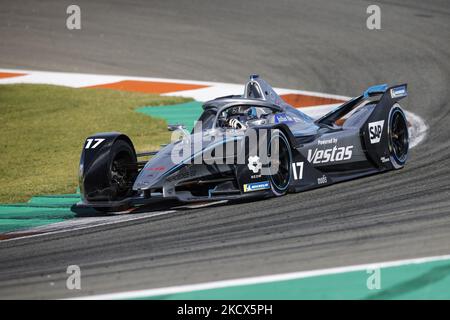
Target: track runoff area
{"points": [[404, 279]]}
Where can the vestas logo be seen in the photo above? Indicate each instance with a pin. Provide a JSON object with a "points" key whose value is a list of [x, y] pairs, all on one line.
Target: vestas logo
{"points": [[375, 131], [330, 155]]}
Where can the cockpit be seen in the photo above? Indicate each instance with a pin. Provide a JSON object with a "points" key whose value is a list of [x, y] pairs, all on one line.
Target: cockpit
{"points": [[259, 105], [244, 116]]}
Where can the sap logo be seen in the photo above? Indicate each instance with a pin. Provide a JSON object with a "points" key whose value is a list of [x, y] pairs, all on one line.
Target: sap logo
{"points": [[330, 155], [256, 186], [375, 131]]}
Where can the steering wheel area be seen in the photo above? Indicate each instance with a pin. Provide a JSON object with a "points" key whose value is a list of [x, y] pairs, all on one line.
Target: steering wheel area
{"points": [[242, 117]]}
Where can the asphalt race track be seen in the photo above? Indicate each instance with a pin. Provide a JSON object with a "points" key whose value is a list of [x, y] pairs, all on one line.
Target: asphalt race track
{"points": [[312, 45]]}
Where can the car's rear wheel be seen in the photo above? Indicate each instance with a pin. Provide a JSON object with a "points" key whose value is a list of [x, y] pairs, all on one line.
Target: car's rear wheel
{"points": [[398, 137], [280, 154]]}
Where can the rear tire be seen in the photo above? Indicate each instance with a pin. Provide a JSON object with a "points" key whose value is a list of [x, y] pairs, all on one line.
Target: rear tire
{"points": [[398, 137], [280, 180]]}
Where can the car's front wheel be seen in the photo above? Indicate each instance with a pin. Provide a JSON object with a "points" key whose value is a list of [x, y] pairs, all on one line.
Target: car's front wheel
{"points": [[121, 174]]}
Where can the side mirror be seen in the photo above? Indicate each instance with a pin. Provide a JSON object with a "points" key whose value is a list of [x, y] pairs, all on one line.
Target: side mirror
{"points": [[179, 133], [173, 127]]}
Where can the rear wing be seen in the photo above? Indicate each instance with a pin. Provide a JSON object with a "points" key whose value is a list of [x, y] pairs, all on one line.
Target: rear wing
{"points": [[390, 95], [394, 94]]}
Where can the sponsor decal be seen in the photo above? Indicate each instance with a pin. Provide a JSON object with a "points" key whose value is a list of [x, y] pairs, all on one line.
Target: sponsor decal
{"points": [[384, 159], [398, 92], [375, 131], [256, 186], [282, 117], [327, 141], [322, 180], [254, 164], [156, 168], [330, 155]]}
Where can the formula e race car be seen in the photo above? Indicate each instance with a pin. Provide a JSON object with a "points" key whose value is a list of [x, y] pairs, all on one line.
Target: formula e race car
{"points": [[250, 145]]}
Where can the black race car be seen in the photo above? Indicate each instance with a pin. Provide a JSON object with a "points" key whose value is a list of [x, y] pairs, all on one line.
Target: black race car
{"points": [[250, 145]]}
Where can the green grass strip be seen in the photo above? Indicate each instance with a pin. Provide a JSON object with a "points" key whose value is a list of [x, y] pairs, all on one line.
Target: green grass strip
{"points": [[183, 113], [44, 127]]}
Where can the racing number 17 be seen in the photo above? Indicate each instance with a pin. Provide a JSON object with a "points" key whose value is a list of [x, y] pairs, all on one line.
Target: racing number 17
{"points": [[93, 146], [297, 169]]}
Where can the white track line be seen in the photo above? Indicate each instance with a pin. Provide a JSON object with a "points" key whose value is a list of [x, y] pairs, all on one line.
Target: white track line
{"points": [[257, 280], [68, 225], [78, 80], [200, 205]]}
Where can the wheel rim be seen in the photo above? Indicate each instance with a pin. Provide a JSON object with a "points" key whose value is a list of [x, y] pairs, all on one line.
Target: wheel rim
{"points": [[280, 180], [121, 173], [399, 136]]}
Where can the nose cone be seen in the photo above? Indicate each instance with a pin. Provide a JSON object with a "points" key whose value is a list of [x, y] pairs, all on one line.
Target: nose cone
{"points": [[154, 169], [171, 158]]}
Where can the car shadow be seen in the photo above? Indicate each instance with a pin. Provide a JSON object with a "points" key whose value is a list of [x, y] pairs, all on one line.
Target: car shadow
{"points": [[86, 212]]}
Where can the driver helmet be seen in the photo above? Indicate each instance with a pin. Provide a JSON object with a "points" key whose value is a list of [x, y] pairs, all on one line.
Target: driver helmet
{"points": [[251, 113]]}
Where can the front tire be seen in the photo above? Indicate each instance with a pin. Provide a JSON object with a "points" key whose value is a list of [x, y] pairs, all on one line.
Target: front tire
{"points": [[121, 174]]}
